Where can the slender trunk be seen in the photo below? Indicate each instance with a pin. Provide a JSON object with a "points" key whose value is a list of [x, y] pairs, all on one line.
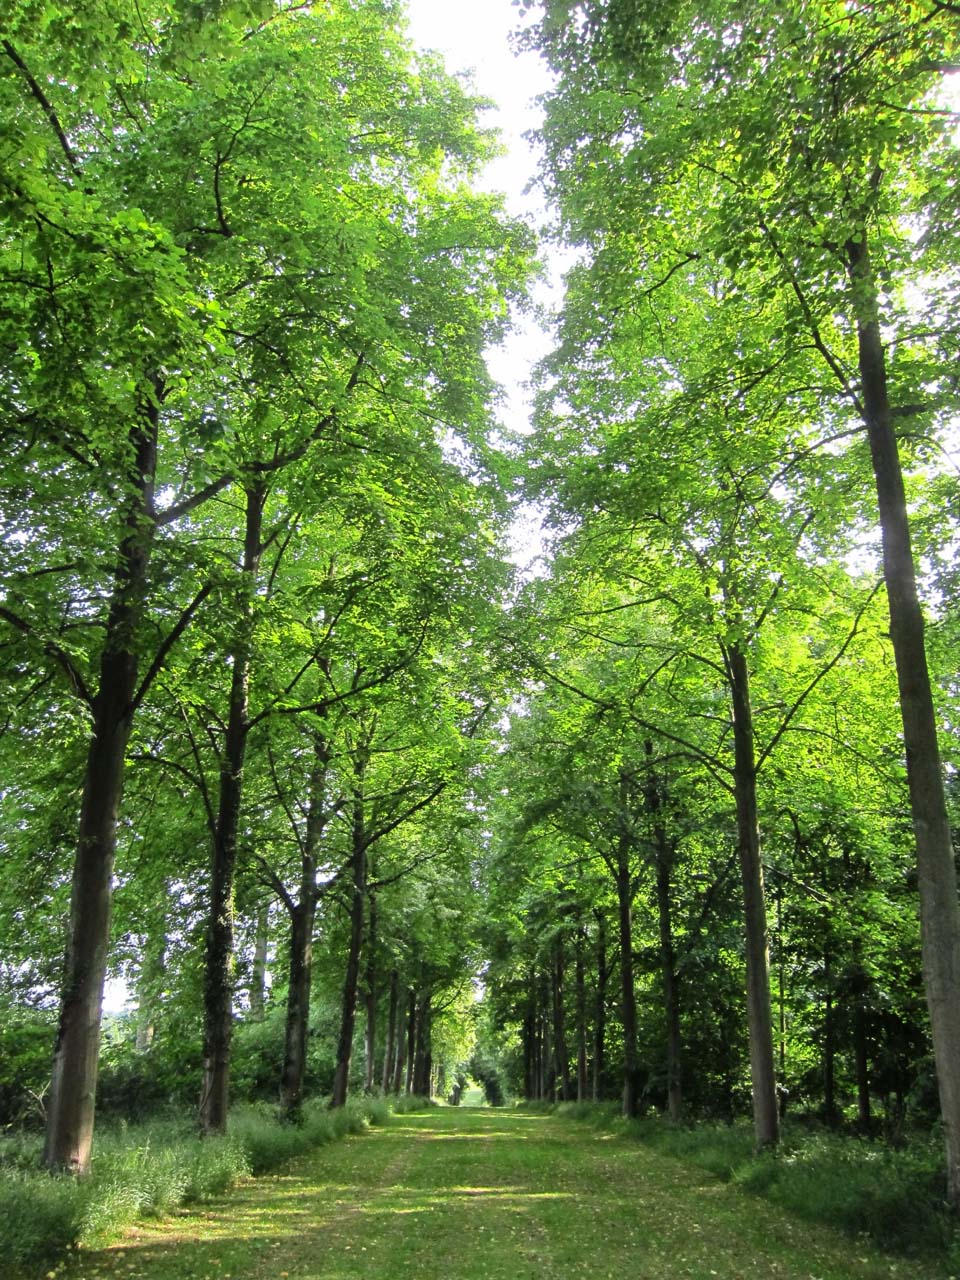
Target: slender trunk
{"points": [[547, 1075], [528, 1041], [668, 963], [302, 917], [411, 1041], [600, 1008], [581, 1001], [671, 986], [258, 976], [628, 999], [298, 1011], [864, 1118], [72, 1098], [390, 1049], [149, 981], [561, 1057], [766, 1117], [399, 1072], [351, 982], [370, 999], [782, 998], [829, 1048], [939, 915], [219, 958], [423, 1058]]}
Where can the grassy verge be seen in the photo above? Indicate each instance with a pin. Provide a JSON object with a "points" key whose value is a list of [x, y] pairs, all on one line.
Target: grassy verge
{"points": [[148, 1170], [864, 1188]]}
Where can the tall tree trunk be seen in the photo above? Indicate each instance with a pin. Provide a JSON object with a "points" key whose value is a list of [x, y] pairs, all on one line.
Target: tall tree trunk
{"points": [[219, 957], [861, 1065], [302, 917], [351, 982], [581, 1003], [628, 999], [668, 963], [561, 1056], [600, 1008], [258, 973], [370, 998], [829, 1047], [390, 1049], [411, 1042], [939, 915], [528, 1042], [72, 1098], [766, 1118], [298, 1010], [149, 980], [782, 1000], [671, 986], [423, 1058]]}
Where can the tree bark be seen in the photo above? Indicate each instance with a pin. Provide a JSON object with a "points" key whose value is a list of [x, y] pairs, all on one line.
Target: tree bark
{"points": [[258, 974], [766, 1118], [390, 1049], [668, 963], [939, 914], [671, 985], [149, 980], [829, 1046], [861, 1066], [298, 1011], [72, 1098], [423, 1058], [581, 1004], [600, 1008], [351, 982], [302, 914], [411, 1042], [219, 957], [561, 1057], [628, 999], [370, 997]]}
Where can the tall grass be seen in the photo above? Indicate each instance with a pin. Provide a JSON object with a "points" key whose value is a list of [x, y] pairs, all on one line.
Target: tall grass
{"points": [[147, 1171]]}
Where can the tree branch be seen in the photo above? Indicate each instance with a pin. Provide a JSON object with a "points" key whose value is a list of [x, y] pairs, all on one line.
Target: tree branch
{"points": [[45, 103]]}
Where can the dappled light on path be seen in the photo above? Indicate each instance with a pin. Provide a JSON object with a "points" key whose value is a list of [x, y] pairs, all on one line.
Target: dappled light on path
{"points": [[482, 1195]]}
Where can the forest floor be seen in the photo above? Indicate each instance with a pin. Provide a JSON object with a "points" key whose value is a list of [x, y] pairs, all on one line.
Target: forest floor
{"points": [[472, 1194]]}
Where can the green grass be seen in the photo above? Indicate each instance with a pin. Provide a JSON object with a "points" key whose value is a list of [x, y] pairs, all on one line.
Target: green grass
{"points": [[481, 1194], [148, 1171], [894, 1197]]}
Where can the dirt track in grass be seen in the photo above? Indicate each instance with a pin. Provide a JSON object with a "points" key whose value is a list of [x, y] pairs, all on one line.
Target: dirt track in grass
{"points": [[471, 1194]]}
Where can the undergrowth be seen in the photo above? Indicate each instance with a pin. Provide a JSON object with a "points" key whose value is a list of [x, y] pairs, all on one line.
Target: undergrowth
{"points": [[864, 1188], [148, 1170]]}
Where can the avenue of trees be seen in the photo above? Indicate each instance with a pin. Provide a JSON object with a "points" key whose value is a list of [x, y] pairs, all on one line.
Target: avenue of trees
{"points": [[284, 744]]}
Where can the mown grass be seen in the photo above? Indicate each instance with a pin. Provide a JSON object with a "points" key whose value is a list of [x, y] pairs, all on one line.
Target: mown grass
{"points": [[482, 1194], [864, 1188], [146, 1171]]}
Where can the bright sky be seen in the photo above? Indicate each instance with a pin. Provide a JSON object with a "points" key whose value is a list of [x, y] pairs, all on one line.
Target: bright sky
{"points": [[477, 38]]}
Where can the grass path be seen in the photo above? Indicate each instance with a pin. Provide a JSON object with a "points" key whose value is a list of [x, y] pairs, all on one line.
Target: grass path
{"points": [[484, 1195]]}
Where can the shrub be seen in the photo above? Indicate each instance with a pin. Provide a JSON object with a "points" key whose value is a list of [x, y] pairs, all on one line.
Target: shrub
{"points": [[403, 1103], [40, 1217]]}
